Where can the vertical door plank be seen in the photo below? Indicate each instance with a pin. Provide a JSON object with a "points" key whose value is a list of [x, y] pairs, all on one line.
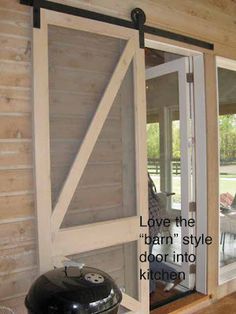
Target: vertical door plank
{"points": [[141, 165], [41, 143]]}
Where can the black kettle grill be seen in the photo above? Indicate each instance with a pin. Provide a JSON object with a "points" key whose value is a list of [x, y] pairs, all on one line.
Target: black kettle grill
{"points": [[73, 290]]}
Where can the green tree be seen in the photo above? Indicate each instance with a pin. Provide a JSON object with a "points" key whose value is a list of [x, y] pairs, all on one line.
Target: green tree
{"points": [[153, 140], [175, 140], [227, 130], [227, 137]]}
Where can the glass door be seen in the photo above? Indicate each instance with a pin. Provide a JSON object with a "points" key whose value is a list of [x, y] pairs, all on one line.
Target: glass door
{"points": [[226, 72], [168, 108]]}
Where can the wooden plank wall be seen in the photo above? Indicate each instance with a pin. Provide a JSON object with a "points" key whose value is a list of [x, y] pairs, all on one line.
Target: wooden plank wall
{"points": [[212, 20], [18, 264]]}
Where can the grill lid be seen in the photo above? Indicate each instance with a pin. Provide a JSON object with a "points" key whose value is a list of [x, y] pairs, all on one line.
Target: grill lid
{"points": [[73, 290]]}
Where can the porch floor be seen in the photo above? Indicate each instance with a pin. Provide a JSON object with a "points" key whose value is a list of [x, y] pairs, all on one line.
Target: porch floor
{"points": [[183, 304], [225, 305]]}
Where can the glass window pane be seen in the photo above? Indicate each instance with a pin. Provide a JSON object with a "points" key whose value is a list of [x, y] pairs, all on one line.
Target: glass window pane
{"points": [[163, 136], [227, 171], [164, 158], [153, 152]]}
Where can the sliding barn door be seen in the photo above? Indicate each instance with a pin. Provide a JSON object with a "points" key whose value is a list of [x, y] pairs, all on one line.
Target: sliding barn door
{"points": [[90, 155]]}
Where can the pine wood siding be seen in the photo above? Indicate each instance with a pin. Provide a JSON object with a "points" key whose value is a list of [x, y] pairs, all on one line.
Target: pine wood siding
{"points": [[18, 264]]}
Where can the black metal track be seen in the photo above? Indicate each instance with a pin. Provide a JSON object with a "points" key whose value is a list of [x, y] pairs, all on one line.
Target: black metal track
{"points": [[37, 4]]}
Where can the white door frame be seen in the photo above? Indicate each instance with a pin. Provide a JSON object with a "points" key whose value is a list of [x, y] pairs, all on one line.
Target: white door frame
{"points": [[227, 272], [199, 110]]}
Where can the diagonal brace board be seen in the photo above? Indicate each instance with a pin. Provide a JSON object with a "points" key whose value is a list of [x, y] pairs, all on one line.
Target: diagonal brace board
{"points": [[130, 303], [91, 136], [91, 238]]}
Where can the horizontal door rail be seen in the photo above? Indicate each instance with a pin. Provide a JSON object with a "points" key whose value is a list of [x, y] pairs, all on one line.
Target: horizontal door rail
{"points": [[137, 15], [96, 236]]}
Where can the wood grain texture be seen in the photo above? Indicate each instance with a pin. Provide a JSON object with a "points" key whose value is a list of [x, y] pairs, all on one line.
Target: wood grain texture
{"points": [[211, 20], [18, 260], [14, 6], [16, 304], [18, 127], [14, 49], [16, 180], [15, 154], [15, 234], [83, 75], [14, 259], [13, 74], [16, 206], [187, 305], [226, 305], [212, 166], [92, 133], [18, 281], [91, 241], [15, 99], [111, 260]]}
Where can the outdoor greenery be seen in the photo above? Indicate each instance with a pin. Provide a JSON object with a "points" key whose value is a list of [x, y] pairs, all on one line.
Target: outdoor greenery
{"points": [[227, 137], [153, 140], [227, 128], [227, 132]]}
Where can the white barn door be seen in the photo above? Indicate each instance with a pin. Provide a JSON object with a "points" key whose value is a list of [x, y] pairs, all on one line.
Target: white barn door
{"points": [[90, 153]]}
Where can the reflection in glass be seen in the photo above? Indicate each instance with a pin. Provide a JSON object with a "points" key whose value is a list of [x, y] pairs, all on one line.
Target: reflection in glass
{"points": [[227, 171], [163, 150], [153, 152]]}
